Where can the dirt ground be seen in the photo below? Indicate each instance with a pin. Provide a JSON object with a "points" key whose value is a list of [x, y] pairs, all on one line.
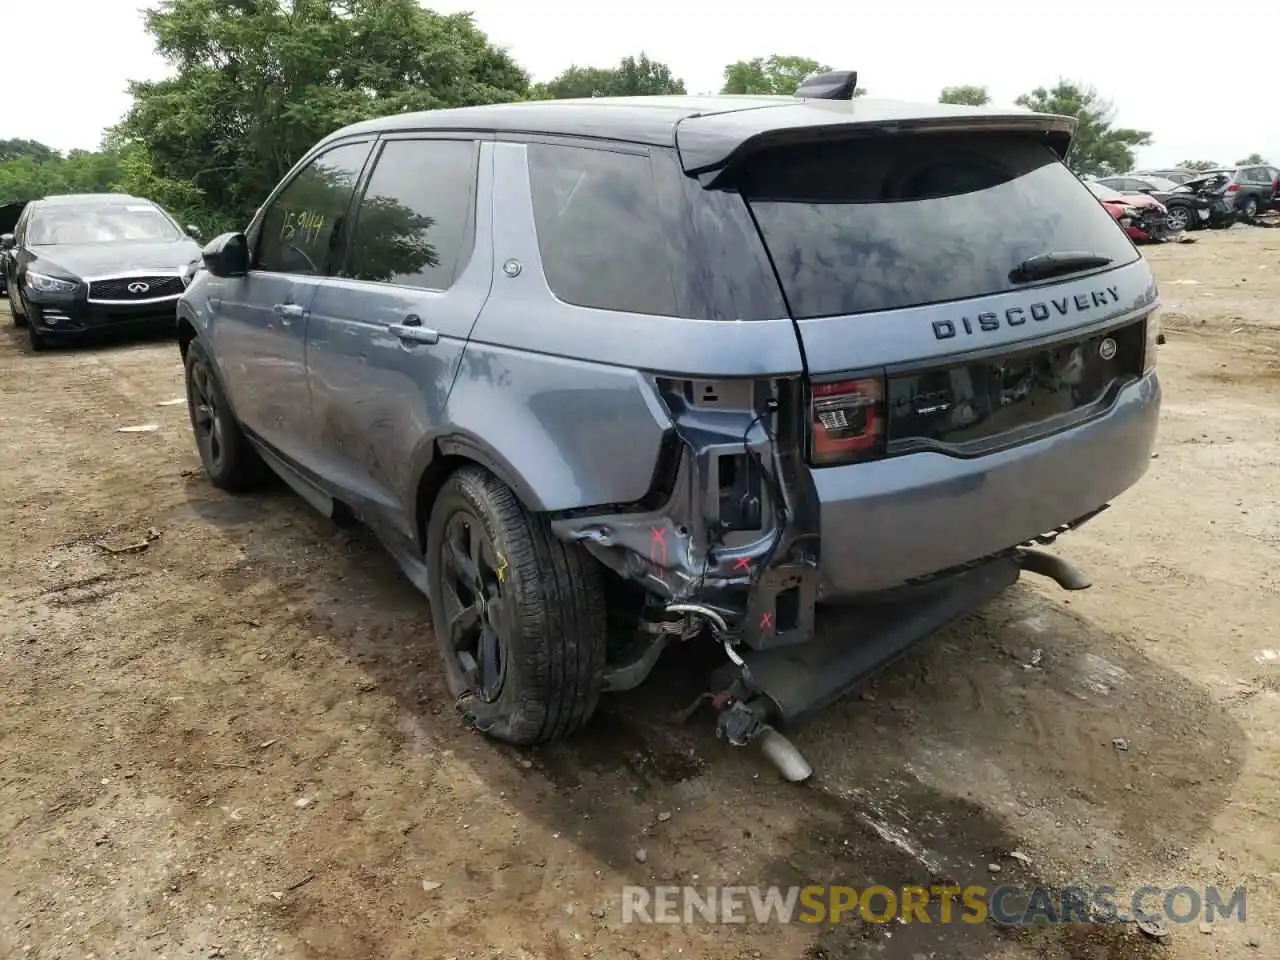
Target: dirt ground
{"points": [[234, 741]]}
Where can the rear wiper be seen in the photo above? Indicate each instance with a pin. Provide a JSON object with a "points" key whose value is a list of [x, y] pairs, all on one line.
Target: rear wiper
{"points": [[1048, 265]]}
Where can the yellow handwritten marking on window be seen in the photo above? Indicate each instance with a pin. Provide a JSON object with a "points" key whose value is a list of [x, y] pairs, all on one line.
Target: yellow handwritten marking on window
{"points": [[308, 223]]}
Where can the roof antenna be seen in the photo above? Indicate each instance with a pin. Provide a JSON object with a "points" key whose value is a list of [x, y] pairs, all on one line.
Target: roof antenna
{"points": [[836, 85]]}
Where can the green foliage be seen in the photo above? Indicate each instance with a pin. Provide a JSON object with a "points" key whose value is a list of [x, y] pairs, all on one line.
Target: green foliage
{"points": [[632, 77], [15, 149], [1099, 148], [1252, 160], [1198, 165], [772, 76], [258, 82], [966, 94]]}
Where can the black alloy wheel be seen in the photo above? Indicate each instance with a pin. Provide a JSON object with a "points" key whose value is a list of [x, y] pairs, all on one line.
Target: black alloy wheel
{"points": [[228, 458], [518, 615], [476, 609], [206, 419]]}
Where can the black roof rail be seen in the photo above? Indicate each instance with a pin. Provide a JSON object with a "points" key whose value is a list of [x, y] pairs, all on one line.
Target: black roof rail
{"points": [[836, 85]]}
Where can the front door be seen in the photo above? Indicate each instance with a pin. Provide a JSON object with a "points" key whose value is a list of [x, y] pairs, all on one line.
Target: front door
{"points": [[260, 333], [385, 339]]}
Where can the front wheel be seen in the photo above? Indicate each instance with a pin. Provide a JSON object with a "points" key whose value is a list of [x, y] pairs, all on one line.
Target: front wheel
{"points": [[15, 314], [519, 616], [228, 458]]}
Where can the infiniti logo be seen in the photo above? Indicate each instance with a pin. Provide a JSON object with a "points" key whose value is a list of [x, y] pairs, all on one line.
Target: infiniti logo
{"points": [[139, 287]]}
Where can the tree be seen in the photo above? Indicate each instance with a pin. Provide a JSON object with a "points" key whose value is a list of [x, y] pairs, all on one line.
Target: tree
{"points": [[966, 94], [1252, 160], [632, 77], [1099, 148], [775, 75], [257, 82], [1198, 165], [13, 149]]}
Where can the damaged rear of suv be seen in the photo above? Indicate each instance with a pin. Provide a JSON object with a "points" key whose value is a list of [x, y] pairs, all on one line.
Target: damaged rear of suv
{"points": [[717, 361]]}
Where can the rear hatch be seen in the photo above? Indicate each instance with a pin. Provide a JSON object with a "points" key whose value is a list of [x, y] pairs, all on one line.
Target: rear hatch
{"points": [[914, 266], [1215, 185], [960, 299]]}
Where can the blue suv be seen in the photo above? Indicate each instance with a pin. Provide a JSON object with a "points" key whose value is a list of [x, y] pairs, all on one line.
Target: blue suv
{"points": [[700, 363]]}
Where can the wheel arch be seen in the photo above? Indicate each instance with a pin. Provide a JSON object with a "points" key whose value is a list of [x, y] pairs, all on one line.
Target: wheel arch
{"points": [[445, 455], [186, 333]]}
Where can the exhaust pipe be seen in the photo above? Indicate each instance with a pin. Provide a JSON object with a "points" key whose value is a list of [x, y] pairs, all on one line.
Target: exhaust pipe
{"points": [[782, 753], [1054, 567]]}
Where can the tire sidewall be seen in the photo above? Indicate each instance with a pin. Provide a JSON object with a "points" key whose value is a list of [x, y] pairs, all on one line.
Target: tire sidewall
{"points": [[464, 491], [198, 356]]}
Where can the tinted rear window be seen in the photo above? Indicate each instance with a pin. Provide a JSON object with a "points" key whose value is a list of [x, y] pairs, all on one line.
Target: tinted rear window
{"points": [[600, 231], [864, 225]]}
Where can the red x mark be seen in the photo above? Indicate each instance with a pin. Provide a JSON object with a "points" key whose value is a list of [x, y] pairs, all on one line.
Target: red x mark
{"points": [[743, 563], [658, 547], [766, 621]]}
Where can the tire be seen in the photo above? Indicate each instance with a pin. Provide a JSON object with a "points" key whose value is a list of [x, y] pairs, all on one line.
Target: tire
{"points": [[15, 314], [528, 664], [1181, 218], [229, 459], [1249, 209], [39, 342]]}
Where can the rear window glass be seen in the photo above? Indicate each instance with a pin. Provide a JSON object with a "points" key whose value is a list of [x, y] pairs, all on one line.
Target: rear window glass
{"points": [[599, 230], [863, 225]]}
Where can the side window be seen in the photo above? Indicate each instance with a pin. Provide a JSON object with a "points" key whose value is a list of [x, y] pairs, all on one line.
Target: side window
{"points": [[416, 222], [599, 230], [303, 228]]}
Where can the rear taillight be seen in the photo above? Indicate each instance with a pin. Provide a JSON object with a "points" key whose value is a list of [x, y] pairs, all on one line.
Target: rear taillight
{"points": [[1232, 187], [847, 421]]}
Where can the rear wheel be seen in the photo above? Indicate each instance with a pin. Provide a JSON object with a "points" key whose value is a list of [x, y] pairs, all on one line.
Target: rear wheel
{"points": [[1179, 218], [1249, 208], [228, 458], [519, 616]]}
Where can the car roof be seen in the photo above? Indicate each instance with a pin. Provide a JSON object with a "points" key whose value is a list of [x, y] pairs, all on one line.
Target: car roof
{"points": [[654, 119], [98, 199]]}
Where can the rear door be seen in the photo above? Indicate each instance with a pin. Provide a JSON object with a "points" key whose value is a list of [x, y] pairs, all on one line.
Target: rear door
{"points": [[385, 340]]}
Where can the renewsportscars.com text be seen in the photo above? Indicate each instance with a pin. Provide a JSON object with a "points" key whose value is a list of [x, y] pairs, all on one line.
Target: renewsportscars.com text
{"points": [[936, 904]]}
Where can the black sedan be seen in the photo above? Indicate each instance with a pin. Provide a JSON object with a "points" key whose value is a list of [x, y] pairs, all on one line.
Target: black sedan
{"points": [[1188, 210], [85, 262]]}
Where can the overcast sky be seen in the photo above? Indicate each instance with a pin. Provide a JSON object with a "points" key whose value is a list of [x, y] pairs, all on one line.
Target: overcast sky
{"points": [[1201, 95]]}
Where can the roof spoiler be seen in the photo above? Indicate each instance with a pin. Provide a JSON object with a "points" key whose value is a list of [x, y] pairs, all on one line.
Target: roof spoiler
{"points": [[836, 85]]}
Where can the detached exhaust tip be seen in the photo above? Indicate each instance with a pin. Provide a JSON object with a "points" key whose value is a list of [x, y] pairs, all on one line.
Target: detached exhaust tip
{"points": [[782, 753], [1064, 574]]}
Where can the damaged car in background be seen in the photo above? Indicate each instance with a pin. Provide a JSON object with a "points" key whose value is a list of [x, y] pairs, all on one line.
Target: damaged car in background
{"points": [[1184, 208], [802, 377], [1143, 217]]}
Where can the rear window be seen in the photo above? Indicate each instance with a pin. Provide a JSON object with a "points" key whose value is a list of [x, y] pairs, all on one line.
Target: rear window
{"points": [[864, 225], [600, 231]]}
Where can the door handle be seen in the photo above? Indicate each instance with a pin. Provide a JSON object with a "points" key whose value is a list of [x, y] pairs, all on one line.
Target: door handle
{"points": [[289, 311], [411, 333]]}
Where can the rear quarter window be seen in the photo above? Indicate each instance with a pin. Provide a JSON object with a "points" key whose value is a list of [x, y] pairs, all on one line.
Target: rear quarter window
{"points": [[599, 226], [864, 225]]}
